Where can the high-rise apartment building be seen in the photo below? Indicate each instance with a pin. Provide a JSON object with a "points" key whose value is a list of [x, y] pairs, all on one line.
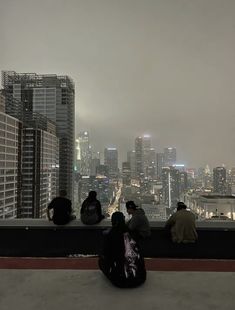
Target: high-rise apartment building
{"points": [[219, 180], [40, 166], [53, 97], [10, 143], [111, 161], [169, 156]]}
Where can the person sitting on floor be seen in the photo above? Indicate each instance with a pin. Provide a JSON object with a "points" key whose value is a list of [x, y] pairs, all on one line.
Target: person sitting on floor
{"points": [[121, 260], [62, 209]]}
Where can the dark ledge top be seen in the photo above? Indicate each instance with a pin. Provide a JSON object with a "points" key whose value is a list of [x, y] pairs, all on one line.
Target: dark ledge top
{"points": [[77, 224]]}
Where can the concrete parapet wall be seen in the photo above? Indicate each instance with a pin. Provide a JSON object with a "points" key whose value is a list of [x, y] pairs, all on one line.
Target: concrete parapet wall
{"points": [[34, 238]]}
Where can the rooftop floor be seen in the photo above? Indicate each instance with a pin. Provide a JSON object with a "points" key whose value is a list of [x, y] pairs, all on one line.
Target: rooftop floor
{"points": [[70, 289]]}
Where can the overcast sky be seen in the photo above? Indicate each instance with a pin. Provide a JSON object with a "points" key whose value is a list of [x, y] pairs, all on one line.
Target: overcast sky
{"points": [[159, 67]]}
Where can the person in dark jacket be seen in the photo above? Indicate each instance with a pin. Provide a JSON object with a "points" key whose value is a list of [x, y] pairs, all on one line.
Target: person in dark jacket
{"points": [[62, 209], [91, 212], [113, 263], [138, 225]]}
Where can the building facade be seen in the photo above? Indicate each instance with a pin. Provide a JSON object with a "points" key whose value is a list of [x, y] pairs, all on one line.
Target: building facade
{"points": [[111, 161], [10, 169], [219, 180], [53, 97]]}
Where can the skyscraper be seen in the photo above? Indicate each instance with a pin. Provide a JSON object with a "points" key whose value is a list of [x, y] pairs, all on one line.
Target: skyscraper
{"points": [[171, 186], [131, 161], [169, 156], [219, 180], [53, 97], [85, 153], [126, 173], [40, 166], [111, 161], [10, 141], [146, 153], [160, 164], [139, 169]]}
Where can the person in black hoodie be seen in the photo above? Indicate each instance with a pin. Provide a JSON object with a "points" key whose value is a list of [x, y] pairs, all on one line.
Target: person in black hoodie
{"points": [[91, 212], [62, 209], [121, 261]]}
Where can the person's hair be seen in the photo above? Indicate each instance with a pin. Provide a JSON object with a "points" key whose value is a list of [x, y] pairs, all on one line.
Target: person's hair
{"points": [[181, 205], [63, 193], [131, 205], [92, 195], [118, 221]]}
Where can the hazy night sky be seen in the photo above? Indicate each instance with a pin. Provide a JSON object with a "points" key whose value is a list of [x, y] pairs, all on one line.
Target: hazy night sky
{"points": [[162, 67]]}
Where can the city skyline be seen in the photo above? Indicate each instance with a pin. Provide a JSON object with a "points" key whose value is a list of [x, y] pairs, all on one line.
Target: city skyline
{"points": [[156, 67]]}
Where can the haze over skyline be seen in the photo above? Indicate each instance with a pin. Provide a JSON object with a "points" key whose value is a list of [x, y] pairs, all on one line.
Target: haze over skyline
{"points": [[164, 68]]}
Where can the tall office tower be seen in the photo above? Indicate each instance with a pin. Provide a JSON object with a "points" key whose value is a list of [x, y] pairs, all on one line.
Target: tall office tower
{"points": [[183, 182], [95, 163], [139, 169], [146, 142], [10, 143], [85, 152], [169, 156], [111, 160], [160, 164], [171, 186], [126, 173], [53, 97], [152, 164], [40, 166], [131, 161], [219, 180]]}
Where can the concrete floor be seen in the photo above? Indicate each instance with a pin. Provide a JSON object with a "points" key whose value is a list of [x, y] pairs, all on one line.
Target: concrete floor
{"points": [[85, 290]]}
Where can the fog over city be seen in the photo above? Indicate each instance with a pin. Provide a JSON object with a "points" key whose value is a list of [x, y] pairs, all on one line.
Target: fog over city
{"points": [[159, 67]]}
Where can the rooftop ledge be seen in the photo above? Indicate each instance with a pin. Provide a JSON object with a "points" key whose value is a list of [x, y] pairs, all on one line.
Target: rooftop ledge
{"points": [[77, 224], [41, 238]]}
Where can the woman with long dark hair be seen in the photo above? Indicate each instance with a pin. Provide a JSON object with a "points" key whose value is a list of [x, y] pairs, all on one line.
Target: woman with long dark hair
{"points": [[121, 260]]}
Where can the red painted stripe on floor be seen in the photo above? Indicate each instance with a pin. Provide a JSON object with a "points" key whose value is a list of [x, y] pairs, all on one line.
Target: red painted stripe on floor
{"points": [[154, 264]]}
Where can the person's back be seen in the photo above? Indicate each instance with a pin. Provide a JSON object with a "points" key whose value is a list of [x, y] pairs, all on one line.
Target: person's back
{"points": [[121, 260], [62, 209], [138, 224], [182, 225], [91, 212]]}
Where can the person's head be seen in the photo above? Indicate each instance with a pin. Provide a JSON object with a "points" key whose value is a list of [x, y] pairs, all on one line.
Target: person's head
{"points": [[92, 195], [181, 206], [118, 220], [130, 207], [63, 193]]}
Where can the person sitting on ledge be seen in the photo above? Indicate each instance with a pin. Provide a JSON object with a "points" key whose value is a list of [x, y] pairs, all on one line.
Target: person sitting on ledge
{"points": [[182, 225], [62, 209], [138, 225], [121, 260], [91, 212]]}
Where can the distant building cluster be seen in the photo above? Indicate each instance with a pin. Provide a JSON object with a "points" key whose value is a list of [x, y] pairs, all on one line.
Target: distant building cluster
{"points": [[154, 180]]}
